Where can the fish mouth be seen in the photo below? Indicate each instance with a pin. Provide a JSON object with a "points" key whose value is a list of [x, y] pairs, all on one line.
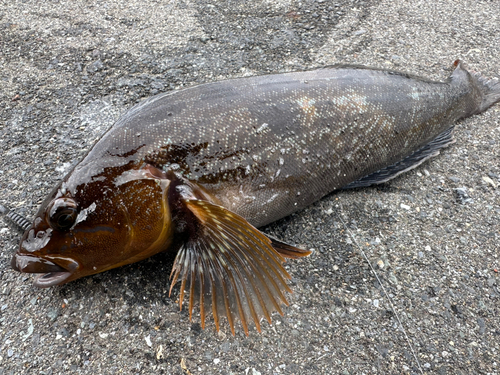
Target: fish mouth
{"points": [[50, 273], [49, 279]]}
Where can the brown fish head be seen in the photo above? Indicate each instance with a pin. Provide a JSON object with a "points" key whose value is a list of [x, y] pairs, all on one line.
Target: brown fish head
{"points": [[111, 221]]}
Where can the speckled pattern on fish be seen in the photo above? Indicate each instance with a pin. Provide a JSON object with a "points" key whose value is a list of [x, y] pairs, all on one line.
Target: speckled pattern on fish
{"points": [[270, 145], [197, 170]]}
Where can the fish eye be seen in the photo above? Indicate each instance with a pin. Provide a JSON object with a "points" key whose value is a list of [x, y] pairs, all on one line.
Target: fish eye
{"points": [[62, 213]]}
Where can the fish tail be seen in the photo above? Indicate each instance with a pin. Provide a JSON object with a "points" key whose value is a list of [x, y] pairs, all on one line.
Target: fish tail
{"points": [[487, 90]]}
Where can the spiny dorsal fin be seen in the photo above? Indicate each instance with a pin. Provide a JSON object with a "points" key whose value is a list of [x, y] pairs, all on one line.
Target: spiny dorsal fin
{"points": [[412, 161], [229, 267]]}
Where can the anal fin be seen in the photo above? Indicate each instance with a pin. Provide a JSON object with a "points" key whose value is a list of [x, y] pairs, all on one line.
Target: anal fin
{"points": [[414, 160], [230, 267]]}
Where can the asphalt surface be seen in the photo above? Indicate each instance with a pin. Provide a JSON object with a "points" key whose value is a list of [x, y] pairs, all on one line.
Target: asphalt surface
{"points": [[69, 69]]}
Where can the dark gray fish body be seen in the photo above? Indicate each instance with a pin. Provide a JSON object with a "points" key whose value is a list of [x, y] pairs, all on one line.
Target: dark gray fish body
{"points": [[196, 170], [270, 145]]}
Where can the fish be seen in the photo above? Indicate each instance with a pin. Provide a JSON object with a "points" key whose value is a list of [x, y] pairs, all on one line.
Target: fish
{"points": [[196, 171]]}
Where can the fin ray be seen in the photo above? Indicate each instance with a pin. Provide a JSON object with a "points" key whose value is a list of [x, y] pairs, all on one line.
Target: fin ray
{"points": [[412, 161], [231, 266], [256, 270], [490, 91], [287, 250], [278, 272], [263, 269]]}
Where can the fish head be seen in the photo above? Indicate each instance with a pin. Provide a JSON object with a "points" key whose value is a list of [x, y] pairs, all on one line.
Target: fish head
{"points": [[99, 225]]}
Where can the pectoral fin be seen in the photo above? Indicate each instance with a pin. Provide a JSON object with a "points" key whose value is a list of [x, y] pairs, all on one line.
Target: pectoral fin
{"points": [[286, 250], [230, 267]]}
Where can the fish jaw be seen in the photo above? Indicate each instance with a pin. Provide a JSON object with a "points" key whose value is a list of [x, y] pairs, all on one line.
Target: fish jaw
{"points": [[47, 280], [53, 271]]}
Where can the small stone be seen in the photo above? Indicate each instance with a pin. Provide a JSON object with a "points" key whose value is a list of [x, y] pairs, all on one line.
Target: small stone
{"points": [[463, 196], [376, 302], [490, 181], [95, 66], [251, 371], [53, 314], [159, 353], [404, 206], [29, 331], [216, 361], [380, 264]]}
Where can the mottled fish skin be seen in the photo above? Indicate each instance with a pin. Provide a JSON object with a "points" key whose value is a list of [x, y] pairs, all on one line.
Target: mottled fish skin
{"points": [[270, 145], [196, 170]]}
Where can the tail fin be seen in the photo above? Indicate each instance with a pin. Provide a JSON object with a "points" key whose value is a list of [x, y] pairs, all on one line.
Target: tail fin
{"points": [[489, 88]]}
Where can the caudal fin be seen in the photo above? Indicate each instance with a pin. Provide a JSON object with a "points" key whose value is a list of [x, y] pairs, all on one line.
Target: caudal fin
{"points": [[490, 88], [487, 90]]}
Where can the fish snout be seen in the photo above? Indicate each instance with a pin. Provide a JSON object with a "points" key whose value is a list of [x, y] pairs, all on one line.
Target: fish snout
{"points": [[49, 273]]}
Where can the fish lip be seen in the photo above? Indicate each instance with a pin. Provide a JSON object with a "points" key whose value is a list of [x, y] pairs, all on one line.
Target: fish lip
{"points": [[46, 280], [49, 271]]}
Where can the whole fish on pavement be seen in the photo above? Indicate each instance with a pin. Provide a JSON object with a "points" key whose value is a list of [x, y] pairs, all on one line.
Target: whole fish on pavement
{"points": [[196, 171]]}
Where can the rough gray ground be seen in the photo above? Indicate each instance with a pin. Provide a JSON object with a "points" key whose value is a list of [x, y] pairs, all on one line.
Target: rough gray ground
{"points": [[68, 69]]}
